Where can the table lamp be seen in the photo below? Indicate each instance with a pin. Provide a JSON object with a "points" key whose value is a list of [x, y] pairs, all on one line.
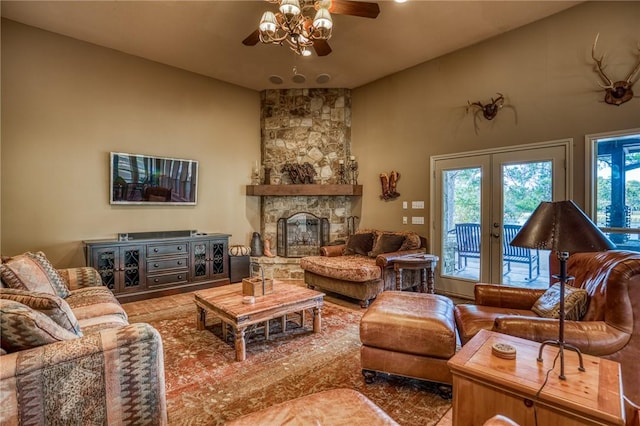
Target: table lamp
{"points": [[562, 227]]}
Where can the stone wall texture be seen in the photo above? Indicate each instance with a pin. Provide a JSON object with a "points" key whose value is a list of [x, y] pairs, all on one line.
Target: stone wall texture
{"points": [[298, 126]]}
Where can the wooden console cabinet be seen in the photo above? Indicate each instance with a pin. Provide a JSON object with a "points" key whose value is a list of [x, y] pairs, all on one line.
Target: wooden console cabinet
{"points": [[158, 265], [485, 385]]}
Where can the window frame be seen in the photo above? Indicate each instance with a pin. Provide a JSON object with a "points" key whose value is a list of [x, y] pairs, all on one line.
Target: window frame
{"points": [[591, 171]]}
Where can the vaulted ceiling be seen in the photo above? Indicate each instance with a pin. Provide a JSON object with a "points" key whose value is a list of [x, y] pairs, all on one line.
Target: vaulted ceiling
{"points": [[205, 36]]}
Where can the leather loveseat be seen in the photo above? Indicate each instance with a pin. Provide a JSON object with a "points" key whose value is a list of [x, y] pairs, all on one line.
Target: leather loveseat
{"points": [[93, 367], [610, 328], [363, 267]]}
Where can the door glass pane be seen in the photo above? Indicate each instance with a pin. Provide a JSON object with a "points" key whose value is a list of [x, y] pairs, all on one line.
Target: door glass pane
{"points": [[524, 186], [618, 190], [461, 223]]}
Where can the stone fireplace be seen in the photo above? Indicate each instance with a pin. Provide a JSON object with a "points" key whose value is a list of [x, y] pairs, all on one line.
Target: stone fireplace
{"points": [[298, 126]]}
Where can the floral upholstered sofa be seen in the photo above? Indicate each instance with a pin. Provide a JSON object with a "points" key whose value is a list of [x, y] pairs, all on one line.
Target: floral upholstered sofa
{"points": [[362, 268], [69, 354]]}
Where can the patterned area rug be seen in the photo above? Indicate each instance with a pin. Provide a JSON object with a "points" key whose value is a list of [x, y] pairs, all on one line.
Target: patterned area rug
{"points": [[205, 385]]}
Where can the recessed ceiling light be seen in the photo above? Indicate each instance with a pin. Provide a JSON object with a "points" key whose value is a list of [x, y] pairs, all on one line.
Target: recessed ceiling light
{"points": [[299, 78], [276, 79], [323, 78]]}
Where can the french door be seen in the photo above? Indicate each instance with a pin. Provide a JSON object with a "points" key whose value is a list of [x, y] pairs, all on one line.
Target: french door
{"points": [[481, 199]]}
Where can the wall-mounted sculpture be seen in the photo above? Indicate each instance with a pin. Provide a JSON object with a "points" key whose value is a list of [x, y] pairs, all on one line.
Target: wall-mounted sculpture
{"points": [[299, 173], [619, 92], [389, 184], [488, 111]]}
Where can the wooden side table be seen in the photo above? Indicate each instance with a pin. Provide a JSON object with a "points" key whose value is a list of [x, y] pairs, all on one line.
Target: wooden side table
{"points": [[485, 385], [425, 263]]}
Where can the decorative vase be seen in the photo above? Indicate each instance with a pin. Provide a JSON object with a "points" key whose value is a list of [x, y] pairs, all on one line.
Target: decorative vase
{"points": [[256, 245]]}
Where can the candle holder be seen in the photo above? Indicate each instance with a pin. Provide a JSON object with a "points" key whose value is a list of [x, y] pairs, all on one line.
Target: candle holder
{"points": [[342, 173], [353, 168]]}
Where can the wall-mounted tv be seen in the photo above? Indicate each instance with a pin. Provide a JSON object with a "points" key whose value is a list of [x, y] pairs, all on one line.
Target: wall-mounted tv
{"points": [[146, 179]]}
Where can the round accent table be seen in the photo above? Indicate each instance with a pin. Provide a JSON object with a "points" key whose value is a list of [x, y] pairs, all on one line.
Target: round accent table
{"points": [[425, 263]]}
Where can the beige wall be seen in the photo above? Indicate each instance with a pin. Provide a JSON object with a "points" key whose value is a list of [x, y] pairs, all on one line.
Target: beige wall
{"points": [[545, 72], [66, 104]]}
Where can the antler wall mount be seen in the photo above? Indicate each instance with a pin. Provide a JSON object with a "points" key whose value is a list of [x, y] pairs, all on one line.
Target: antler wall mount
{"points": [[488, 111], [619, 92]]}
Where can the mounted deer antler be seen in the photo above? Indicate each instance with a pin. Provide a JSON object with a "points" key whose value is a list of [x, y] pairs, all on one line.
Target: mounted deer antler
{"points": [[619, 92], [490, 110]]}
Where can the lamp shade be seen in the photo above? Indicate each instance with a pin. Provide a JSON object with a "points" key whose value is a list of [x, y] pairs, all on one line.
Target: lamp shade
{"points": [[561, 226]]}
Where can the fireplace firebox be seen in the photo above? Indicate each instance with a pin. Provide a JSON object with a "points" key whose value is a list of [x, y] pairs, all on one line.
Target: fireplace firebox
{"points": [[302, 234]]}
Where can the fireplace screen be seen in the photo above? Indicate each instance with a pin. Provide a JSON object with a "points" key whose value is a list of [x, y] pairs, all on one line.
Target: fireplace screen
{"points": [[302, 235]]}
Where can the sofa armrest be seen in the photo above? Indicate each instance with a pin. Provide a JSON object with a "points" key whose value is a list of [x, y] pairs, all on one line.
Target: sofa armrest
{"points": [[96, 379], [385, 260], [501, 296], [332, 251], [591, 337], [84, 276]]}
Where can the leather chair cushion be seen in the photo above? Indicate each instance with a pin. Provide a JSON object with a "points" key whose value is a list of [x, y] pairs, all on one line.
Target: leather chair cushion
{"points": [[349, 268], [415, 323], [472, 318]]}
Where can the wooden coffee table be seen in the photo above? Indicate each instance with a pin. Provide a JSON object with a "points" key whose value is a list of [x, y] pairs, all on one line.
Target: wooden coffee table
{"points": [[226, 303]]}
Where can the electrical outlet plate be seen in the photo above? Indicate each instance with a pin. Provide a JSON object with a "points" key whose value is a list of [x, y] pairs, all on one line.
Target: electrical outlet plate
{"points": [[404, 220]]}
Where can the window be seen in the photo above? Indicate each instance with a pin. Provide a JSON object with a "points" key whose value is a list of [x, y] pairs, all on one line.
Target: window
{"points": [[613, 186]]}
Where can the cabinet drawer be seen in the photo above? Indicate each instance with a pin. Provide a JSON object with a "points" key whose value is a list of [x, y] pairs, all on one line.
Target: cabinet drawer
{"points": [[166, 249], [157, 265], [174, 278]]}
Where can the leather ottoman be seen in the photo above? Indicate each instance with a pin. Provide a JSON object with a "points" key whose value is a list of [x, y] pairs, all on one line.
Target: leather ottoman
{"points": [[409, 334], [327, 408]]}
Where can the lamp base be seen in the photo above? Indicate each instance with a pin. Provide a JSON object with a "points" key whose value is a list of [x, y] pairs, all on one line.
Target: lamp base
{"points": [[562, 345]]}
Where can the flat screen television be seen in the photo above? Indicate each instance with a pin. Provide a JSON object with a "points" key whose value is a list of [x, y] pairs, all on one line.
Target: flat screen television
{"points": [[146, 179]]}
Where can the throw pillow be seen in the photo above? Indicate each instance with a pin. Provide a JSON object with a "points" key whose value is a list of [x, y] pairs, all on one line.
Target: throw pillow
{"points": [[51, 305], [359, 244], [387, 243], [411, 242], [24, 328], [34, 272], [575, 303]]}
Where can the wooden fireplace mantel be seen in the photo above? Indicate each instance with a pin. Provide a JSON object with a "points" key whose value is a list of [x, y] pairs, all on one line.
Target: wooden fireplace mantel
{"points": [[304, 189]]}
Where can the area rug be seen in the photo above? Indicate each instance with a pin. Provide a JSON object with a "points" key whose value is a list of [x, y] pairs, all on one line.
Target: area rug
{"points": [[206, 386]]}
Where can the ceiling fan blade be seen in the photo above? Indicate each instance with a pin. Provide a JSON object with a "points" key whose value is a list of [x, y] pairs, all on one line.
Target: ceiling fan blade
{"points": [[321, 47], [355, 8], [252, 39]]}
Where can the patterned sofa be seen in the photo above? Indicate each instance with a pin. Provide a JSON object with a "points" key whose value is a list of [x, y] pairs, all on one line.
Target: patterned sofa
{"points": [[363, 267], [73, 359]]}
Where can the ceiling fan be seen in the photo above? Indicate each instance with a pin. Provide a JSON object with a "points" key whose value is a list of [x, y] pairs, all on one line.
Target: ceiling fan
{"points": [[306, 23]]}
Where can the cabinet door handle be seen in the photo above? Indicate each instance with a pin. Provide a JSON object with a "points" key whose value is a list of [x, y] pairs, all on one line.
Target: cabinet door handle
{"points": [[155, 265], [179, 247], [179, 262], [528, 403], [179, 277], [155, 250], [156, 280]]}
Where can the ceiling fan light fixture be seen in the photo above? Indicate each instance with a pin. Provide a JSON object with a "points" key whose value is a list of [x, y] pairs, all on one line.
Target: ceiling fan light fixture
{"points": [[322, 20], [268, 23], [290, 8]]}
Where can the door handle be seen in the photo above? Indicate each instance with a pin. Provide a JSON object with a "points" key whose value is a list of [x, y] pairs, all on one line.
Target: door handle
{"points": [[495, 235]]}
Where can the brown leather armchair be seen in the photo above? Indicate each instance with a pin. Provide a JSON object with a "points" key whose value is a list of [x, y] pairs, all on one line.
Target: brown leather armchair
{"points": [[610, 328]]}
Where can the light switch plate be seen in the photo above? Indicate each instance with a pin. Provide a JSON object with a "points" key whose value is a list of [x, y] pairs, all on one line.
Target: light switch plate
{"points": [[404, 220], [417, 220], [417, 204], [405, 205]]}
